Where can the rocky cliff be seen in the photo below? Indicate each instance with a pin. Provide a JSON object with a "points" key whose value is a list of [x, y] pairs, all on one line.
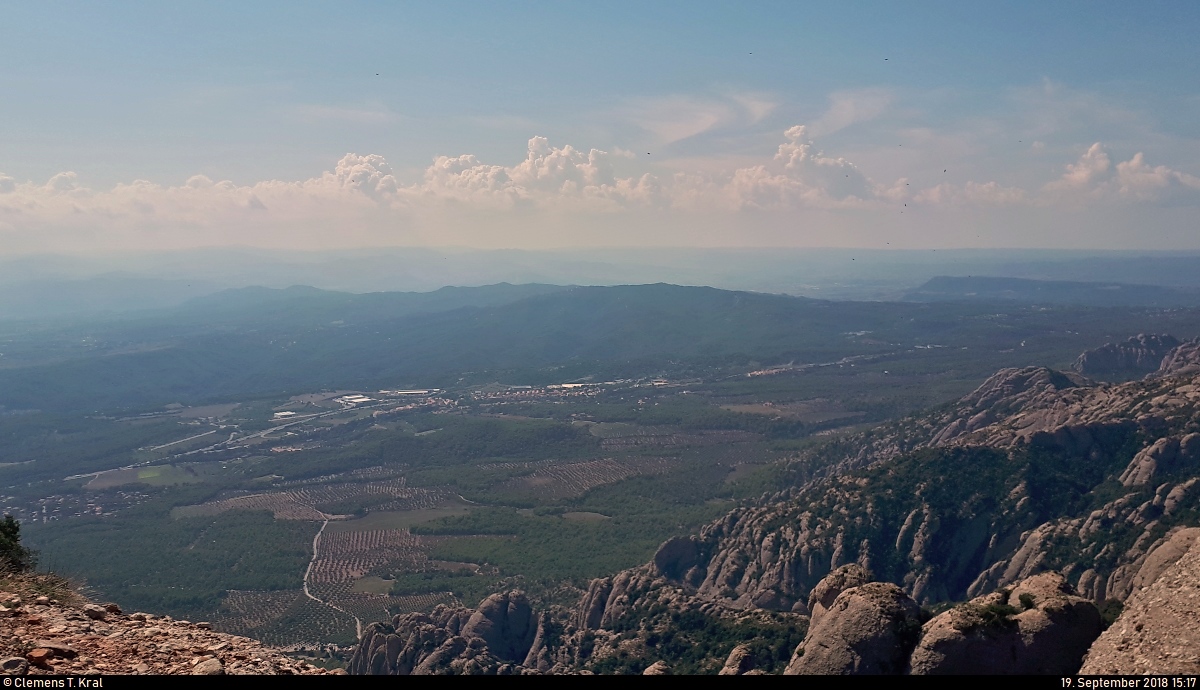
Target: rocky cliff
{"points": [[504, 636], [1134, 358], [1084, 478]]}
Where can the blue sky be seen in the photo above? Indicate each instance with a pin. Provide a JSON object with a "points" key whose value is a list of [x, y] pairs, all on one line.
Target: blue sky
{"points": [[153, 125]]}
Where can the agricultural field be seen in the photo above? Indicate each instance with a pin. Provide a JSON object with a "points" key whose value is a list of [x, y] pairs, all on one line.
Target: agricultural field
{"points": [[311, 502], [816, 411], [305, 625], [399, 519], [668, 440], [246, 612], [568, 480], [158, 475]]}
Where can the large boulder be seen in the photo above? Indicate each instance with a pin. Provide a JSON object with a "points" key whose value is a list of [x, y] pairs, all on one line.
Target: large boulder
{"points": [[827, 590], [868, 630], [506, 623], [739, 662], [1037, 627]]}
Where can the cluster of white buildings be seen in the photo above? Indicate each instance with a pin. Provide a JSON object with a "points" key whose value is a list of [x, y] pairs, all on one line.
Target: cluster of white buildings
{"points": [[354, 399]]}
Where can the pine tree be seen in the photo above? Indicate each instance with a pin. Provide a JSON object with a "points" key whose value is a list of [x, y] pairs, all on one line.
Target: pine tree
{"points": [[13, 556]]}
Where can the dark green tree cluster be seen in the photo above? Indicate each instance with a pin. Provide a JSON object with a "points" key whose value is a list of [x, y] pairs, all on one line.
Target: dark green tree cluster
{"points": [[13, 556]]}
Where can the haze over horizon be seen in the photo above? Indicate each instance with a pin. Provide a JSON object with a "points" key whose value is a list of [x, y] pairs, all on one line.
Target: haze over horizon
{"points": [[136, 128]]}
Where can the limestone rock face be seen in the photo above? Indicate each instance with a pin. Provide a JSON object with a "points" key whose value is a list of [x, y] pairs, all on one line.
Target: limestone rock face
{"points": [[1163, 557], [1183, 360], [658, 668], [675, 559], [833, 584], [609, 598], [499, 638], [1157, 632], [739, 662], [1037, 627], [869, 630], [506, 623], [1165, 455], [1140, 355]]}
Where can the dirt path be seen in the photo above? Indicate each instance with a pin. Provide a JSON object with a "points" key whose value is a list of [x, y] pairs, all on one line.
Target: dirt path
{"points": [[308, 572]]}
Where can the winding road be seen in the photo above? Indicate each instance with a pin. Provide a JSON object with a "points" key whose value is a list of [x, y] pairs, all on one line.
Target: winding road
{"points": [[308, 571]]}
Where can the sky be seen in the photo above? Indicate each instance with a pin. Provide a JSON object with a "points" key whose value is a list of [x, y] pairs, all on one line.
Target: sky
{"points": [[148, 126]]}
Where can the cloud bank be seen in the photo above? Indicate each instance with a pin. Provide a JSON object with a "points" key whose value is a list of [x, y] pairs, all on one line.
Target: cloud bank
{"points": [[564, 196]]}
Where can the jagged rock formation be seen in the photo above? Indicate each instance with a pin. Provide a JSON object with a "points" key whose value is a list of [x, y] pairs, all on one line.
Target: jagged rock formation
{"points": [[1065, 474], [1183, 360], [1156, 633], [43, 636], [1037, 627], [1134, 358], [868, 630], [641, 614], [504, 636]]}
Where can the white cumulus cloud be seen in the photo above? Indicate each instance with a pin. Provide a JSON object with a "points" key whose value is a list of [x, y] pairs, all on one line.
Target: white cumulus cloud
{"points": [[362, 201], [1094, 177], [799, 174], [549, 176]]}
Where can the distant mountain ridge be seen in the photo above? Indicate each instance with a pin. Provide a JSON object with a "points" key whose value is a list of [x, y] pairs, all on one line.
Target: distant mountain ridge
{"points": [[262, 340], [989, 288], [305, 305]]}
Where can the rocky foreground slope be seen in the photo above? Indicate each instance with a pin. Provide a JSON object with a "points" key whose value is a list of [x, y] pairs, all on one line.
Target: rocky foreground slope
{"points": [[1041, 499], [1157, 632], [41, 635]]}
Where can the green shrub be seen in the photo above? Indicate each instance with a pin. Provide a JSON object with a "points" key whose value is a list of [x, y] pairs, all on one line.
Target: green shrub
{"points": [[1110, 609]]}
